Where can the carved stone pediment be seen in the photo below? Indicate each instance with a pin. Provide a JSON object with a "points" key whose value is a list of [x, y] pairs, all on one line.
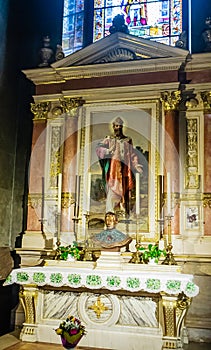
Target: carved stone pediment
{"points": [[119, 47], [117, 54]]}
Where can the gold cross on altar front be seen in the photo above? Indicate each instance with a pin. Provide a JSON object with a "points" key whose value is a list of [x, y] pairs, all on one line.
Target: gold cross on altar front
{"points": [[98, 307]]}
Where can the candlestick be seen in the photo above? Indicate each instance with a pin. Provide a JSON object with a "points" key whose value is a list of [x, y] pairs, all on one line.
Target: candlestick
{"points": [[59, 192], [169, 229], [43, 200], [78, 195], [88, 192], [169, 259], [137, 193], [168, 195]]}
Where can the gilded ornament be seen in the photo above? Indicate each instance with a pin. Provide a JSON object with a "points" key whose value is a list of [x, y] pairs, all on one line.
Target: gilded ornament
{"points": [[98, 307], [57, 111], [206, 98], [70, 105], [192, 176], [171, 99], [191, 103], [67, 200], [183, 302], [40, 110], [207, 200]]}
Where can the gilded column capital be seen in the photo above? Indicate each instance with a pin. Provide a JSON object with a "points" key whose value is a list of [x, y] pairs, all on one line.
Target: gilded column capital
{"points": [[206, 98], [171, 99], [206, 200], [40, 110], [70, 105]]}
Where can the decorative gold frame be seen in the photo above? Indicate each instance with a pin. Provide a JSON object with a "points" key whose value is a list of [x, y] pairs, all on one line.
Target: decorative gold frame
{"points": [[141, 122]]}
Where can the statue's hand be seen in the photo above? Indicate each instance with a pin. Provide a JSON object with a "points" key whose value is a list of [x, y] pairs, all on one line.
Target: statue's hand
{"points": [[112, 149], [139, 168]]}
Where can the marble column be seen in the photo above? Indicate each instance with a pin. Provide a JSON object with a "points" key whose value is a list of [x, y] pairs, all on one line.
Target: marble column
{"points": [[171, 156], [69, 173], [71, 107], [37, 163]]}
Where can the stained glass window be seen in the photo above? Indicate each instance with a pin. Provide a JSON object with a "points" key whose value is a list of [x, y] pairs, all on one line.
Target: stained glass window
{"points": [[159, 20], [73, 26]]}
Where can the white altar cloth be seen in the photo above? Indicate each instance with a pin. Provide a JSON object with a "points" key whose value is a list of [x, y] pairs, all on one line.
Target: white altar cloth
{"points": [[144, 279]]}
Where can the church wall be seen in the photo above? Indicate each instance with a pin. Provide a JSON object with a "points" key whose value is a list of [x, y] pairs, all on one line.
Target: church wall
{"points": [[22, 26]]}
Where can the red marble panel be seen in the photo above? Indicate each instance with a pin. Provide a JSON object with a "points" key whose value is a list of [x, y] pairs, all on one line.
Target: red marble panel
{"points": [[172, 159], [69, 170], [37, 160]]}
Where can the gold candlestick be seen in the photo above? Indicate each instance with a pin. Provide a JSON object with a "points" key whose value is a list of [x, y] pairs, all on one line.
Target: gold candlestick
{"points": [[169, 259], [58, 243], [87, 251]]}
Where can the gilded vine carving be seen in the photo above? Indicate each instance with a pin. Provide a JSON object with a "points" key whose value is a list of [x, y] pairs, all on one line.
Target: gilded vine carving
{"points": [[192, 176], [55, 155]]}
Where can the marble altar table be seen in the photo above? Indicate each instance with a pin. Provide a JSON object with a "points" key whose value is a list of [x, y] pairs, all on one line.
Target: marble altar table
{"points": [[129, 308]]}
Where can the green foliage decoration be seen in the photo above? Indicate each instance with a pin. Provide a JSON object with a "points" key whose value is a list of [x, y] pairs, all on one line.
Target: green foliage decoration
{"points": [[73, 250], [151, 252]]}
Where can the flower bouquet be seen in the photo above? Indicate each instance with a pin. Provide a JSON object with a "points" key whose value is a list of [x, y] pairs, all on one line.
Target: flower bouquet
{"points": [[71, 331]]}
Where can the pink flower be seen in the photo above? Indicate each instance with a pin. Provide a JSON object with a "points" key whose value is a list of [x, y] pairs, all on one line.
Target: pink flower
{"points": [[73, 331]]}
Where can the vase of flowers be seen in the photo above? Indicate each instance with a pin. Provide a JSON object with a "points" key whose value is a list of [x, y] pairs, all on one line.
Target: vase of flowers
{"points": [[71, 331]]}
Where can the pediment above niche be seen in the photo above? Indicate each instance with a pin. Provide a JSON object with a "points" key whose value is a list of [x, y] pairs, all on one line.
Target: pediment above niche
{"points": [[117, 55], [120, 47]]}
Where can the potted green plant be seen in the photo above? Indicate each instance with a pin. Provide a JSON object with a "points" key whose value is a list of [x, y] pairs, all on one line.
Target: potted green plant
{"points": [[152, 253], [68, 252]]}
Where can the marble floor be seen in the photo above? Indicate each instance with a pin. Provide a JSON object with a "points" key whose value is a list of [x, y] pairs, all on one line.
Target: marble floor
{"points": [[11, 342]]}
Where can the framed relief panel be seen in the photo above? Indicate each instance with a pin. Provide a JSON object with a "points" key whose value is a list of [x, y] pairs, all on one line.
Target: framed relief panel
{"points": [[192, 218], [140, 124]]}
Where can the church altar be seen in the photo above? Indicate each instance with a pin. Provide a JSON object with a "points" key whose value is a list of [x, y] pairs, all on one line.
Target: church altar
{"points": [[132, 307]]}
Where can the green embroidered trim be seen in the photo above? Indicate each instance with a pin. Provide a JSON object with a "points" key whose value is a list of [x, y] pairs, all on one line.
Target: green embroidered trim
{"points": [[113, 281], [190, 288], [153, 284], [39, 277], [56, 278], [173, 285], [133, 283], [74, 279], [22, 276], [93, 280], [9, 279]]}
